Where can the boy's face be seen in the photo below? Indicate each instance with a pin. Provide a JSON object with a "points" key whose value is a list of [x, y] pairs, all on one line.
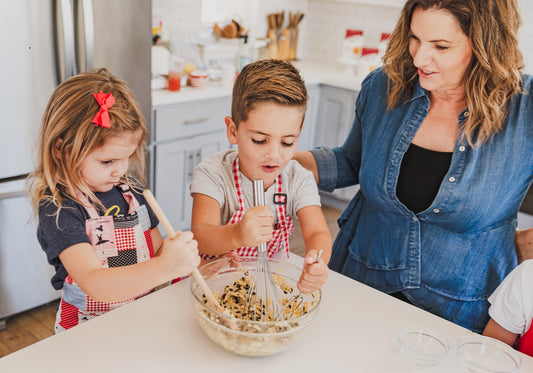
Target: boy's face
{"points": [[267, 140]]}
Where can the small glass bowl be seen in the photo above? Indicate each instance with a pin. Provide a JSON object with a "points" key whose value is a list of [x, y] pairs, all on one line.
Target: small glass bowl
{"points": [[484, 355], [423, 348]]}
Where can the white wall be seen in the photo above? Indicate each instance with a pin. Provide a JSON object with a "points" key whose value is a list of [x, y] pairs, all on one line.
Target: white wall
{"points": [[525, 33], [327, 22], [322, 29]]}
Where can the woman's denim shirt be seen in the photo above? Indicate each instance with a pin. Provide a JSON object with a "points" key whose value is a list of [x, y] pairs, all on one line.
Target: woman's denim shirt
{"points": [[449, 258]]}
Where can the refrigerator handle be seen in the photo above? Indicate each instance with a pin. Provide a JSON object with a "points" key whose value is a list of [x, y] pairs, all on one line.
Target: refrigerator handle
{"points": [[85, 31], [64, 35]]}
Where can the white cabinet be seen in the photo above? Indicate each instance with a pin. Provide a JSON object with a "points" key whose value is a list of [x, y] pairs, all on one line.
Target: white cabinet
{"points": [[183, 135], [334, 120], [175, 163], [307, 137]]}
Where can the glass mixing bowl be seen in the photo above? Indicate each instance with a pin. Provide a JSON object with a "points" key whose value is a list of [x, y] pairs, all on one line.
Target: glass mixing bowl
{"points": [[243, 337], [422, 347], [481, 354]]}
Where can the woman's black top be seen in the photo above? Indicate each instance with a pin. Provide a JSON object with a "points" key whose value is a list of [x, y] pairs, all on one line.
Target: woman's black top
{"points": [[421, 174]]}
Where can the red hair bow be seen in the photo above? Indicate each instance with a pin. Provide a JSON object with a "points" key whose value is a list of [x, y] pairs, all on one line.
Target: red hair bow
{"points": [[105, 100]]}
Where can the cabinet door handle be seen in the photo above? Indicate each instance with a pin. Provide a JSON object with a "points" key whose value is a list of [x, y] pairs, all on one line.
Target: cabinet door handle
{"points": [[190, 165], [198, 157], [195, 121]]}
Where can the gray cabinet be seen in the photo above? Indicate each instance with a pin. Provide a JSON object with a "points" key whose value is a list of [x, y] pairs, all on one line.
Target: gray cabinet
{"points": [[334, 120], [183, 135], [307, 137]]}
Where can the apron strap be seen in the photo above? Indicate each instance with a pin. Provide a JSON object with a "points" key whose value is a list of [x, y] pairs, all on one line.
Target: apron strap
{"points": [[133, 204]]}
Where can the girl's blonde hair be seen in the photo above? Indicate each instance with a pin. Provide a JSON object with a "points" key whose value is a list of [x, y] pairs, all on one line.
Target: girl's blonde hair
{"points": [[68, 136], [494, 75]]}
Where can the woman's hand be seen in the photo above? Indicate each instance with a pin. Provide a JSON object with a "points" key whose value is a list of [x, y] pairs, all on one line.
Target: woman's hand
{"points": [[255, 226], [314, 274], [180, 255], [523, 240]]}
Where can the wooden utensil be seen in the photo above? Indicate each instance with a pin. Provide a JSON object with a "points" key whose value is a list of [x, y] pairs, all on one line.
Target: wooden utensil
{"points": [[211, 300]]}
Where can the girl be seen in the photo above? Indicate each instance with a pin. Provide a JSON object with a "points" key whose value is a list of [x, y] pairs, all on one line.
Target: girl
{"points": [[94, 224]]}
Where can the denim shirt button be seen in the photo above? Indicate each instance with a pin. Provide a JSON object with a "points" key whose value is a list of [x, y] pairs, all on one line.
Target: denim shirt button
{"points": [[415, 218], [451, 179], [467, 113], [462, 148], [436, 211]]}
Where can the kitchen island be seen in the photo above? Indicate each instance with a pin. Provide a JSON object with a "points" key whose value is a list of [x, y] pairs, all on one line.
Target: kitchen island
{"points": [[354, 330]]}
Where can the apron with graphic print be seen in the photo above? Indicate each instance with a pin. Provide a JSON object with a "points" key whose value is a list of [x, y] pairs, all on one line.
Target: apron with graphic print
{"points": [[282, 230], [118, 240]]}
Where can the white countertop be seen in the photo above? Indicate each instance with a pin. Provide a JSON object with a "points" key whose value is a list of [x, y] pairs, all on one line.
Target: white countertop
{"points": [[354, 330], [333, 74]]}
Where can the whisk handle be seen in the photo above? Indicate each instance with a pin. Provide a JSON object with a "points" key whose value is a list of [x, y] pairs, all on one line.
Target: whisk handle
{"points": [[259, 200], [259, 193]]}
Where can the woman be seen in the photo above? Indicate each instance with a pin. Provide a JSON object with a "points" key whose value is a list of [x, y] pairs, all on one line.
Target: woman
{"points": [[441, 147]]}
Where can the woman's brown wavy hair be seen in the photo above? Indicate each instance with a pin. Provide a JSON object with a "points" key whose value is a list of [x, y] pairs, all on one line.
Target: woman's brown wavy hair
{"points": [[494, 75], [68, 136]]}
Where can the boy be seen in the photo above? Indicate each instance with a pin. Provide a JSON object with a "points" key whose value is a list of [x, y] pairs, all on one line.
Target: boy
{"points": [[267, 112]]}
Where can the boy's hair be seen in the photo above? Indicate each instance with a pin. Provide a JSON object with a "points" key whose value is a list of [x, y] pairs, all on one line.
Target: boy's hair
{"points": [[267, 81], [68, 135]]}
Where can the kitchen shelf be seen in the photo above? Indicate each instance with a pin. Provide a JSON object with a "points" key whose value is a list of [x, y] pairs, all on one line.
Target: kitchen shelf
{"points": [[388, 3]]}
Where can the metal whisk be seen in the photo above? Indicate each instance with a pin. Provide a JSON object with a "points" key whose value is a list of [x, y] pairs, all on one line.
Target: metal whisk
{"points": [[262, 299]]}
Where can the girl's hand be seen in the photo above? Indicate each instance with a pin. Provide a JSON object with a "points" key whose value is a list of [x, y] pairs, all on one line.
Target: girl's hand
{"points": [[180, 255], [255, 226], [314, 274]]}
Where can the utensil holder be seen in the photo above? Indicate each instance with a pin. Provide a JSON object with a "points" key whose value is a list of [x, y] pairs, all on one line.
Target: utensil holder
{"points": [[293, 43]]}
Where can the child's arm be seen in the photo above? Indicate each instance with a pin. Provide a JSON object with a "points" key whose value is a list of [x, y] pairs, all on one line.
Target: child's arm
{"points": [[307, 160], [524, 244], [175, 258], [214, 239], [316, 236], [495, 330]]}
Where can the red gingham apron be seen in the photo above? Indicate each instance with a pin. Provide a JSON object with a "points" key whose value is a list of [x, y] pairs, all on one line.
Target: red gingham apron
{"points": [[283, 229], [117, 241], [525, 343]]}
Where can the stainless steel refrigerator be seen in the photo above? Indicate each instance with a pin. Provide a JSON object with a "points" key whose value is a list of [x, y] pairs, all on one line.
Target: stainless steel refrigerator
{"points": [[43, 42]]}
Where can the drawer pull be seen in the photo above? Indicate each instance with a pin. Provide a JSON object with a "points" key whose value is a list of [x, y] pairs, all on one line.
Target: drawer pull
{"points": [[190, 165], [196, 121]]}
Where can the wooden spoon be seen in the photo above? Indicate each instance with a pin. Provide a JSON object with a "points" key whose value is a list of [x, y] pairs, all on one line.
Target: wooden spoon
{"points": [[211, 300]]}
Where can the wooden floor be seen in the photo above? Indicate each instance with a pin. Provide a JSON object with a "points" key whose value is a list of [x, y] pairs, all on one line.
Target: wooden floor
{"points": [[27, 328], [31, 326]]}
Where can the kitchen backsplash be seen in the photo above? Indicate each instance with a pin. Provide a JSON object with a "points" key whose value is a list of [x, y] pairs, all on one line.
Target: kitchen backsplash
{"points": [[322, 30]]}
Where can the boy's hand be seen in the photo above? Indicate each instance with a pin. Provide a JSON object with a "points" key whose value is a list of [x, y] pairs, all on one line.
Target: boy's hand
{"points": [[314, 274], [180, 255], [255, 226]]}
